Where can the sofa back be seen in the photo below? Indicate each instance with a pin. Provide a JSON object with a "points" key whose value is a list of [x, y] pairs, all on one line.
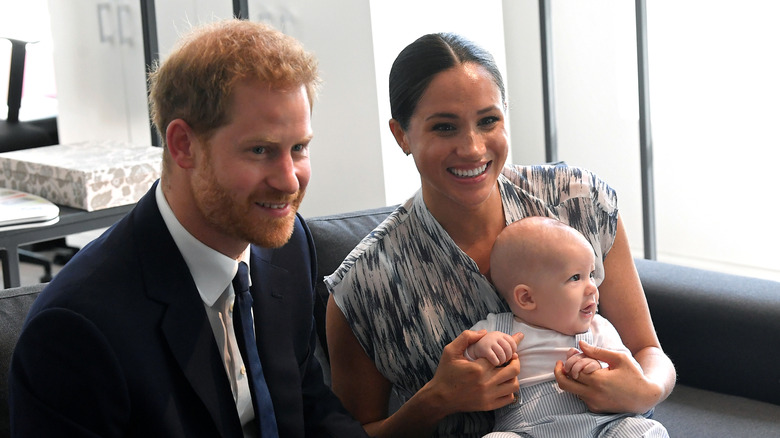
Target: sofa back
{"points": [[334, 237], [14, 304]]}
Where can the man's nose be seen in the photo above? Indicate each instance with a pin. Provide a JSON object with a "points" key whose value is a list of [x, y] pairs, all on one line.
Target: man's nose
{"points": [[284, 177]]}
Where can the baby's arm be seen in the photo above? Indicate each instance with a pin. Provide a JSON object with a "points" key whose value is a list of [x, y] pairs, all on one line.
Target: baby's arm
{"points": [[496, 347]]}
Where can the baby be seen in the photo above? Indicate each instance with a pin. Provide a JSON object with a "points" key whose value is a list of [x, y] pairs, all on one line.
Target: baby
{"points": [[544, 269]]}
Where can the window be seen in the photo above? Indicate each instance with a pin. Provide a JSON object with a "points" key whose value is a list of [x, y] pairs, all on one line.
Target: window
{"points": [[713, 101]]}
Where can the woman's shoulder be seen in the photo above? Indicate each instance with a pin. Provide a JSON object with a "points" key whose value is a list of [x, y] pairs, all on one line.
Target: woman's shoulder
{"points": [[559, 174], [557, 182]]}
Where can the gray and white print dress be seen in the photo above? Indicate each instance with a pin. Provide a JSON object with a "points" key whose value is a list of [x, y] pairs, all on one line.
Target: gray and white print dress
{"points": [[407, 290]]}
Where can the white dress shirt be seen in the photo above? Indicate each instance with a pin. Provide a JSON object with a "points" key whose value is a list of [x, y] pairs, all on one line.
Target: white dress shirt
{"points": [[213, 273]]}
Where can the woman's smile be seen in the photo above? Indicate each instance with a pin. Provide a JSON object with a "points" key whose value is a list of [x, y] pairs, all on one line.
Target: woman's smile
{"points": [[469, 173]]}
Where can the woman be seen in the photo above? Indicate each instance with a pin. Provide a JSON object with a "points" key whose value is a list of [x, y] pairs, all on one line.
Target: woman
{"points": [[402, 299]]}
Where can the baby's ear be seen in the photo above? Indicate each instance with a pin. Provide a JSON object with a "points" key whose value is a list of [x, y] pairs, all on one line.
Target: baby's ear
{"points": [[524, 297]]}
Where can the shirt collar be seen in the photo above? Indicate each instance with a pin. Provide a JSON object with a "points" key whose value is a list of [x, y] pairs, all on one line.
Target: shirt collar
{"points": [[211, 270]]}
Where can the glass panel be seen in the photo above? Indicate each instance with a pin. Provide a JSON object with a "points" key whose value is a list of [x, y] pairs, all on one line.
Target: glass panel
{"points": [[714, 93]]}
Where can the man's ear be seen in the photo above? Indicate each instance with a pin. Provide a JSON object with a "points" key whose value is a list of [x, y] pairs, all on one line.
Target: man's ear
{"points": [[180, 138], [524, 297], [400, 136]]}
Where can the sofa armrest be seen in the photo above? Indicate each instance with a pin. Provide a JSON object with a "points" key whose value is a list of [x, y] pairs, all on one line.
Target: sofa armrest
{"points": [[721, 331]]}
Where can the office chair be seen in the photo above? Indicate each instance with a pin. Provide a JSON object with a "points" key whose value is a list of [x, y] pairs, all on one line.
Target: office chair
{"points": [[16, 135]]}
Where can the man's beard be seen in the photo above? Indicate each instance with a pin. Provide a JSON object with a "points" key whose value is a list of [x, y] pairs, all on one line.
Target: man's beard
{"points": [[236, 217]]}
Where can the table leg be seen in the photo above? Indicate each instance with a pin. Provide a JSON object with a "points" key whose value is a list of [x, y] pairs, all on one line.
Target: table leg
{"points": [[11, 276]]}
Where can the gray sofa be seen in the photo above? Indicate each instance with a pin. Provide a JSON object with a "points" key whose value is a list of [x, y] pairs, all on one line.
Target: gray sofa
{"points": [[14, 304], [722, 331]]}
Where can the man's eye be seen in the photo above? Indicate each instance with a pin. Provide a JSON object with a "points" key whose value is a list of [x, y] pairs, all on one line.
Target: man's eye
{"points": [[298, 147], [258, 149]]}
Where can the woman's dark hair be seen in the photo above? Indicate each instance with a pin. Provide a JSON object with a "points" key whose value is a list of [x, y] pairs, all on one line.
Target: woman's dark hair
{"points": [[418, 63]]}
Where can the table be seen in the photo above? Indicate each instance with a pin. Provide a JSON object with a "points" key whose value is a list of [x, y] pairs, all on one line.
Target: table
{"points": [[72, 221]]}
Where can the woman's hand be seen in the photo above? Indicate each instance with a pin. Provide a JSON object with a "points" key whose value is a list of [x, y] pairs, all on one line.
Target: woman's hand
{"points": [[622, 387], [460, 385], [497, 347], [577, 362]]}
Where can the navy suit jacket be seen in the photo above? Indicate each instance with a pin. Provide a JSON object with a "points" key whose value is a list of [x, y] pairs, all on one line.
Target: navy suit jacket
{"points": [[119, 344]]}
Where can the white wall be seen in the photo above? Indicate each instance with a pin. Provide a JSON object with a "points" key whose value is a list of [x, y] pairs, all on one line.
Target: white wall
{"points": [[524, 79], [175, 17], [347, 172]]}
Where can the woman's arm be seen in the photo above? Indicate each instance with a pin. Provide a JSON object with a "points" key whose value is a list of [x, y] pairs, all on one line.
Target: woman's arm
{"points": [[458, 385], [623, 387]]}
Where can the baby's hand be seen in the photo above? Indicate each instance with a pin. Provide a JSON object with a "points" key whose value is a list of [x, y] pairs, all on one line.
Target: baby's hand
{"points": [[496, 347], [577, 362]]}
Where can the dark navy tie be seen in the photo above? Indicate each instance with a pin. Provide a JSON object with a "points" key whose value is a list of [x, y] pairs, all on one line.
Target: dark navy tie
{"points": [[245, 334]]}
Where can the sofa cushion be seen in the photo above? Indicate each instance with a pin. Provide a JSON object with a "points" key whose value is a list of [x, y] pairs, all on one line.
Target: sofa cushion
{"points": [[14, 304], [697, 413]]}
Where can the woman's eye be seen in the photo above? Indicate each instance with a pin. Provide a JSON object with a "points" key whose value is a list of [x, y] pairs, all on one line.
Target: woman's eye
{"points": [[488, 121], [443, 127]]}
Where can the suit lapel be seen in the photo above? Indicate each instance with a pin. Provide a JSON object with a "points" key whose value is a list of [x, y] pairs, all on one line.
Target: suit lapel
{"points": [[278, 270], [184, 325], [268, 276], [191, 342]]}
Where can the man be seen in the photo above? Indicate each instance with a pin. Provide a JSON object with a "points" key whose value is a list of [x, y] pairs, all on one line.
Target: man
{"points": [[136, 335]]}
